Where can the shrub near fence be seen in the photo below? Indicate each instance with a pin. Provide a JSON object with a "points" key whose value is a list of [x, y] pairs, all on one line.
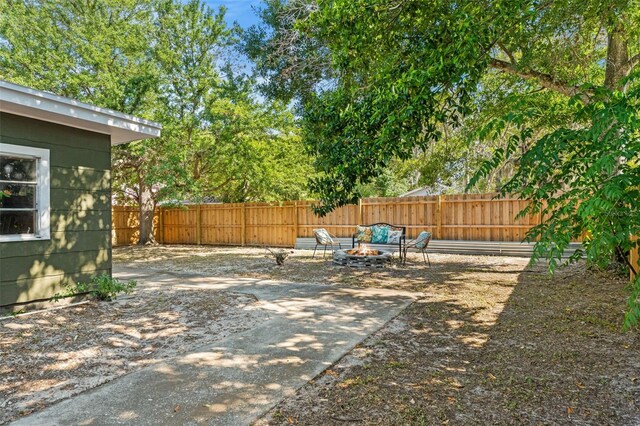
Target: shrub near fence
{"points": [[473, 217]]}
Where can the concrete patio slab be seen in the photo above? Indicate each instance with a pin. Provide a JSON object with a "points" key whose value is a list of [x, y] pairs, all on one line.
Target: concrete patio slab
{"points": [[236, 380]]}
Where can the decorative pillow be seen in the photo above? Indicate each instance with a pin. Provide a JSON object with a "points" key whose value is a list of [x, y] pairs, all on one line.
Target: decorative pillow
{"points": [[394, 237], [322, 236], [363, 234], [423, 239], [379, 234]]}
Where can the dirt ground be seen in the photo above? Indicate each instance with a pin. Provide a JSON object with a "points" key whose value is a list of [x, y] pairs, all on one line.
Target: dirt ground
{"points": [[50, 356], [491, 342]]}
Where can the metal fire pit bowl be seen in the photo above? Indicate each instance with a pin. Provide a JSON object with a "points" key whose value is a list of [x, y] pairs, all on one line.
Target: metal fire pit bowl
{"points": [[380, 260]]}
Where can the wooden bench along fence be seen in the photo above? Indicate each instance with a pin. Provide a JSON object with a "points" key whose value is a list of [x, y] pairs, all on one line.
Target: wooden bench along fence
{"points": [[473, 217]]}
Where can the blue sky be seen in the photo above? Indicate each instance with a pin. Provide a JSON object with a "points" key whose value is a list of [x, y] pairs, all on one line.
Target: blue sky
{"points": [[239, 11]]}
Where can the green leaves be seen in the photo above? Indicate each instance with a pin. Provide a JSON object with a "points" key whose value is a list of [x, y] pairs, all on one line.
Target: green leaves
{"points": [[584, 182], [102, 287], [96, 51], [527, 83], [632, 316], [163, 60], [398, 86]]}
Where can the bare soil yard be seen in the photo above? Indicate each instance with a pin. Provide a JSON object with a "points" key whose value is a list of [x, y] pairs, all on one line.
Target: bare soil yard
{"points": [[50, 356], [491, 342]]}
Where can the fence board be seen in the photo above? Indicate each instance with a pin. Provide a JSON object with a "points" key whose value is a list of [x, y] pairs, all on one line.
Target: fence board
{"points": [[125, 225], [474, 217]]}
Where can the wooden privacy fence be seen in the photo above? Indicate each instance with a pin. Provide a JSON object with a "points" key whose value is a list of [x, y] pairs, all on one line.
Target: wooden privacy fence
{"points": [[479, 217]]}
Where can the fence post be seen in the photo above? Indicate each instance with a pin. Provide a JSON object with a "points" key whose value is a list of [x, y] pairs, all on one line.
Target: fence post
{"points": [[295, 223], [114, 227], [161, 225], [439, 218], [243, 224], [359, 211], [198, 225]]}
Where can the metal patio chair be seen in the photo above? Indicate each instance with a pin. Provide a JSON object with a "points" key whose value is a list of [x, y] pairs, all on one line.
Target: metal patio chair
{"points": [[420, 243], [325, 238]]}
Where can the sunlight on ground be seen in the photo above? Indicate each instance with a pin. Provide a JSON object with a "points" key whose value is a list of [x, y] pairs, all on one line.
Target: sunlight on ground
{"points": [[483, 337], [52, 355]]}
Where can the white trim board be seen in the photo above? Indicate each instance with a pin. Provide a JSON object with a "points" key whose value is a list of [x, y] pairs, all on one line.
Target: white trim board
{"points": [[32, 103], [43, 191]]}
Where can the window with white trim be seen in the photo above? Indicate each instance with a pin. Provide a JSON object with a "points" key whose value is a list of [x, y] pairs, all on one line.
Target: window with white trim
{"points": [[24, 193]]}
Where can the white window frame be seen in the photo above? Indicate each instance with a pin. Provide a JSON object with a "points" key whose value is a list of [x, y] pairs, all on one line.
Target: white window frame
{"points": [[43, 191]]}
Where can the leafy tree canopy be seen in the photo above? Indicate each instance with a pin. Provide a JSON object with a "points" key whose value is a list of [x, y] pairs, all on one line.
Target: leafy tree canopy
{"points": [[549, 88], [379, 78], [169, 61]]}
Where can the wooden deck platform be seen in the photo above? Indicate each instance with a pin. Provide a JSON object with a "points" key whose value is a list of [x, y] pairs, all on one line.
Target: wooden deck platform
{"points": [[496, 248]]}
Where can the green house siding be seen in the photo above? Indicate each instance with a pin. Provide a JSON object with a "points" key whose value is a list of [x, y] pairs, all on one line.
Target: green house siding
{"points": [[80, 244]]}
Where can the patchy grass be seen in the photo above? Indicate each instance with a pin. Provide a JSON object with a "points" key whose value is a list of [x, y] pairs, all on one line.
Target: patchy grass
{"points": [[52, 355], [491, 342]]}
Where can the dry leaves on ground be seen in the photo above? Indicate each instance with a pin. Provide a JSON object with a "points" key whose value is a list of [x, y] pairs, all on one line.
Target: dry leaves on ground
{"points": [[49, 356]]}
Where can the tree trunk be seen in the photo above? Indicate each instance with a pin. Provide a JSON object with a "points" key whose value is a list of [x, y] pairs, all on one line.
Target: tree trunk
{"points": [[617, 58], [616, 70], [147, 209]]}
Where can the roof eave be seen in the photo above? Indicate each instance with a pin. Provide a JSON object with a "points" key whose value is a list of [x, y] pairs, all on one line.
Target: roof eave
{"points": [[123, 128]]}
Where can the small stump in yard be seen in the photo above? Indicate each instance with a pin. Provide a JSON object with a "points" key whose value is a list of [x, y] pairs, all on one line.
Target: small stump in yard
{"points": [[362, 257]]}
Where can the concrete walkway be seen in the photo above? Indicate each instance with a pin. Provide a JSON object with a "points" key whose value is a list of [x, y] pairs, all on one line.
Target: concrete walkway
{"points": [[236, 380]]}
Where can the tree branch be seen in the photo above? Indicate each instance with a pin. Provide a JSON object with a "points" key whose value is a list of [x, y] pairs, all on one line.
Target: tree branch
{"points": [[632, 63], [545, 80], [512, 59]]}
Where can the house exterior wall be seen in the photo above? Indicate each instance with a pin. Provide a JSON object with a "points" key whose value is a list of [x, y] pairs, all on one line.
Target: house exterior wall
{"points": [[80, 191]]}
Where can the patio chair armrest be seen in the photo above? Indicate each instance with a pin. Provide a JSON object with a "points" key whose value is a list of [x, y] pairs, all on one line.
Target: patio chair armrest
{"points": [[334, 239]]}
